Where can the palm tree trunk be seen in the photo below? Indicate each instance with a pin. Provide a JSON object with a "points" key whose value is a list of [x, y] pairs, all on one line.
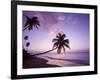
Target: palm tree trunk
{"points": [[25, 28], [44, 52]]}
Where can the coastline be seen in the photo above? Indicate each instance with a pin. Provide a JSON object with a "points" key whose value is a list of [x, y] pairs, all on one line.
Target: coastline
{"points": [[30, 61], [49, 60]]}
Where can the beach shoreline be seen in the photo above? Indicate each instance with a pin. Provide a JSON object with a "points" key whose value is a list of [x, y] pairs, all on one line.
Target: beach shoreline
{"points": [[30, 61], [53, 60]]}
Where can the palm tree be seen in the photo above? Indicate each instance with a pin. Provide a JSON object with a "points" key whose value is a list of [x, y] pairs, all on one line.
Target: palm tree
{"points": [[59, 43], [31, 22]]}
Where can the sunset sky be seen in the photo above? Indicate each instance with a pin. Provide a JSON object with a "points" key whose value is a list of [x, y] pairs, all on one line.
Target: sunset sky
{"points": [[74, 25]]}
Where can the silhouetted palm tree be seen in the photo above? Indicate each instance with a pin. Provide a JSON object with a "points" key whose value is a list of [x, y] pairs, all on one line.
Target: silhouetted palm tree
{"points": [[59, 43], [31, 22]]}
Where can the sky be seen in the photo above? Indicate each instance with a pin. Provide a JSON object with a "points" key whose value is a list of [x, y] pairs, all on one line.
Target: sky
{"points": [[74, 25]]}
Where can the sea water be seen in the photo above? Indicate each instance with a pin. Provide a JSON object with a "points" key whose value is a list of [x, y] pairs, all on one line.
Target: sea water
{"points": [[67, 59]]}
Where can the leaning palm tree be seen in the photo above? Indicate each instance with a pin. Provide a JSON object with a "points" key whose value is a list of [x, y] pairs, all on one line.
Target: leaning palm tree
{"points": [[31, 22], [59, 43]]}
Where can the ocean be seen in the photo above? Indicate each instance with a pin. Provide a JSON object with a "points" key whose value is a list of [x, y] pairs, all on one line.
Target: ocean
{"points": [[67, 59]]}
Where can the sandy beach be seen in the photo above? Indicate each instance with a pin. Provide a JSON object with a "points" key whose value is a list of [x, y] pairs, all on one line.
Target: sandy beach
{"points": [[30, 61]]}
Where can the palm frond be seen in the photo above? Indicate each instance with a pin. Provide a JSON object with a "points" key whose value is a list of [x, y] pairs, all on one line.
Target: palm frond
{"points": [[67, 41], [55, 40], [34, 17], [31, 22], [36, 26], [59, 34], [67, 45], [30, 27], [63, 35], [27, 21]]}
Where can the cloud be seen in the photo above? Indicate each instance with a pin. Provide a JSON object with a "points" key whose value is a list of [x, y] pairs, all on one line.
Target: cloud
{"points": [[61, 18], [49, 20]]}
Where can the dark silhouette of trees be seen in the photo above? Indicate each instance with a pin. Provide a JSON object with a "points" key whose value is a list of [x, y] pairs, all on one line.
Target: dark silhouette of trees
{"points": [[31, 22], [59, 43]]}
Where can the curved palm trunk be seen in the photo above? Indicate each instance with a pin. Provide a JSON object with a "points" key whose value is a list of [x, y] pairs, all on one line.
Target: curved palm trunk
{"points": [[44, 52]]}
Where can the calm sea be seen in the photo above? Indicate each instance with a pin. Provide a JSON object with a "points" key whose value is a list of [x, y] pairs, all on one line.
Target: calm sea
{"points": [[67, 59]]}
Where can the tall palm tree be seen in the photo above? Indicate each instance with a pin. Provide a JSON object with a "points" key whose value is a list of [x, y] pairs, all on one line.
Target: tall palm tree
{"points": [[59, 43], [31, 22]]}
